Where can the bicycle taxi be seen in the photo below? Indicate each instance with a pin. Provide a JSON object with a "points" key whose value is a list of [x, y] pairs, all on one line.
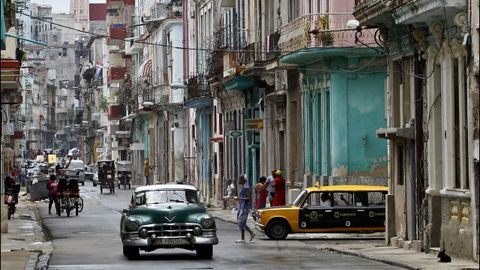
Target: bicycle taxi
{"points": [[106, 175], [124, 173], [68, 194]]}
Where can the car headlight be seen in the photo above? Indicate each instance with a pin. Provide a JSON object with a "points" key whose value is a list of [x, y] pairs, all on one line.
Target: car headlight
{"points": [[208, 223], [197, 231], [132, 225], [143, 232]]}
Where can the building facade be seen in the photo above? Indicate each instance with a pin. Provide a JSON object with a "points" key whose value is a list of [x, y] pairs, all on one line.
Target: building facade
{"points": [[432, 109]]}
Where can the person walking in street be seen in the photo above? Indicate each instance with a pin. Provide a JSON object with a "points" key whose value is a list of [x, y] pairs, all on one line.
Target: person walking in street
{"points": [[52, 194], [279, 181], [147, 171], [270, 184], [261, 193], [243, 208]]}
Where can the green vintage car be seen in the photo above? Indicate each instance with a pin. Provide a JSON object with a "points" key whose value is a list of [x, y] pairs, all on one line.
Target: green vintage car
{"points": [[167, 216]]}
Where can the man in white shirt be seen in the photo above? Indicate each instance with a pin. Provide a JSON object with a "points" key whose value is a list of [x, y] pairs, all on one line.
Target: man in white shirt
{"points": [[271, 187], [325, 200], [230, 191]]}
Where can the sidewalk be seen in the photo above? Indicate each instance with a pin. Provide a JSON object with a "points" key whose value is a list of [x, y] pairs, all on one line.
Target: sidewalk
{"points": [[24, 245], [400, 257]]}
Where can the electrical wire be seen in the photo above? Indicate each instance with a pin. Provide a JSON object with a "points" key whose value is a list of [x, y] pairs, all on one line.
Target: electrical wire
{"points": [[159, 44], [343, 70]]}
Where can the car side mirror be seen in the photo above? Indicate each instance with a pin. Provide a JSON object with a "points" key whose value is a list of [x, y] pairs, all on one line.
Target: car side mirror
{"points": [[126, 211]]}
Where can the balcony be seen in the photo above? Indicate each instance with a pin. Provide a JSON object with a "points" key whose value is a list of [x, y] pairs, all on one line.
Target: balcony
{"points": [[272, 49], [120, 2], [198, 93], [116, 74], [318, 30], [10, 73], [116, 112], [117, 34]]}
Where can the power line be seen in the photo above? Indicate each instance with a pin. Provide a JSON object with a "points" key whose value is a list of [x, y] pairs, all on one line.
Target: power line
{"points": [[164, 45]]}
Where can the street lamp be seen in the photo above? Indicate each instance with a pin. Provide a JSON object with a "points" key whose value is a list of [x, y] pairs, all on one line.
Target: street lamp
{"points": [[147, 104]]}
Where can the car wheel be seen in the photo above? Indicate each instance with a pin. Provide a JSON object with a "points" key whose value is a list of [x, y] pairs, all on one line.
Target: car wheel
{"points": [[277, 230], [131, 252], [204, 251]]}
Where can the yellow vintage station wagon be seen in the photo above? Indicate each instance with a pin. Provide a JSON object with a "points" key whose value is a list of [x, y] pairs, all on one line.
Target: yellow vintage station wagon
{"points": [[327, 209]]}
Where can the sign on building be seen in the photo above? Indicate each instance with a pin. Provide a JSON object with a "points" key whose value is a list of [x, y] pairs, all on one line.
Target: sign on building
{"points": [[235, 133], [254, 124]]}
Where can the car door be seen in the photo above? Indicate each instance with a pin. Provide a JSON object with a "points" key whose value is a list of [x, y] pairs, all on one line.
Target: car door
{"points": [[314, 216]]}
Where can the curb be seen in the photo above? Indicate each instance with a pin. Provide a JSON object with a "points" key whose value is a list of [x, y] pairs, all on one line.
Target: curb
{"points": [[43, 257], [351, 253]]}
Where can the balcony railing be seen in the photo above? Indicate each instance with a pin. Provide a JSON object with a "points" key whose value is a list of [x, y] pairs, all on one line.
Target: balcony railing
{"points": [[117, 34], [116, 74], [116, 112], [197, 87], [319, 30]]}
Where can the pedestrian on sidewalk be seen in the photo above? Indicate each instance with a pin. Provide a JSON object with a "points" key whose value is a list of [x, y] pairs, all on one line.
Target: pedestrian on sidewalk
{"points": [[243, 208], [229, 196], [279, 181], [261, 193], [147, 171], [52, 194], [270, 183]]}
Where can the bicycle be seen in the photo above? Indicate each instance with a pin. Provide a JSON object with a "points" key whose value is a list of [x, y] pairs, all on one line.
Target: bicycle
{"points": [[68, 203]]}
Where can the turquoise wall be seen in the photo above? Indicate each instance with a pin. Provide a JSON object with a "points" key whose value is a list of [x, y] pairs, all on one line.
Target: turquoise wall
{"points": [[358, 106], [342, 111]]}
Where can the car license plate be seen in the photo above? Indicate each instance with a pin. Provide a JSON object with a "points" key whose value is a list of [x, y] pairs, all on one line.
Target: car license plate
{"points": [[172, 241]]}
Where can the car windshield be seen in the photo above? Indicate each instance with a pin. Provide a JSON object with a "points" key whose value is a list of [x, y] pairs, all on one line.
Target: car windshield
{"points": [[169, 196], [76, 165], [300, 198]]}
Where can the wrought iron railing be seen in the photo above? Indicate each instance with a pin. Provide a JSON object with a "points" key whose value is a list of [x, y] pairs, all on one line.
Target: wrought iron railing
{"points": [[320, 30]]}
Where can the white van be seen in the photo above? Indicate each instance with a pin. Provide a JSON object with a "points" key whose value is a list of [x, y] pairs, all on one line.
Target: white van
{"points": [[76, 170]]}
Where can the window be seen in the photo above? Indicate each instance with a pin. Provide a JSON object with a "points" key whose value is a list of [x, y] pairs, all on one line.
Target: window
{"points": [[220, 123], [294, 7], [400, 167], [460, 125], [342, 198]]}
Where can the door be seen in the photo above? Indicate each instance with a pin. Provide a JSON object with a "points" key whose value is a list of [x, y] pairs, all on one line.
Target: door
{"points": [[315, 216]]}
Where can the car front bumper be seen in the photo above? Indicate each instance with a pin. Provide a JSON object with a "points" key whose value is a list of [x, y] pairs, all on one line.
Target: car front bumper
{"points": [[259, 226], [134, 240]]}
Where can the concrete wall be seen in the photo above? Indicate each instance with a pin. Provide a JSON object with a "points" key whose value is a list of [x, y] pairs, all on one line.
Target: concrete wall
{"points": [[457, 227]]}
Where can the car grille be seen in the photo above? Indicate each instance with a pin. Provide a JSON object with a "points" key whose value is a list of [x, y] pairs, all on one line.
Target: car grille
{"points": [[161, 230]]}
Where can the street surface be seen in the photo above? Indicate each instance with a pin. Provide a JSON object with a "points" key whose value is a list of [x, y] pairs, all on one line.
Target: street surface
{"points": [[91, 241]]}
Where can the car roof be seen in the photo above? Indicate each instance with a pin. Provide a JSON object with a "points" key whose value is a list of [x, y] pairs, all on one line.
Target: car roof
{"points": [[165, 186], [345, 188]]}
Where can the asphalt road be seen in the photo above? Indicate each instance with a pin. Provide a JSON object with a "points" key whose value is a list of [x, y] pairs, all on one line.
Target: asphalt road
{"points": [[91, 241]]}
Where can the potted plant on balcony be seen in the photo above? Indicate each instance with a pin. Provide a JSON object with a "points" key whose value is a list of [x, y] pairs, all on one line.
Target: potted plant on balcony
{"points": [[102, 104], [326, 38]]}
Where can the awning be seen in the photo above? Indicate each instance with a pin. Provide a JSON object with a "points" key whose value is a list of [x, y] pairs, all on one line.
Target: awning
{"points": [[217, 138], [145, 69]]}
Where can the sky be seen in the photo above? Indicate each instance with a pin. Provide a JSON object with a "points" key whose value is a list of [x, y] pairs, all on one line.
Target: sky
{"points": [[61, 6]]}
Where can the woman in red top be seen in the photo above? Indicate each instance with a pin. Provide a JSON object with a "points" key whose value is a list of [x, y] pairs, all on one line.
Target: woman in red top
{"points": [[261, 193], [279, 181]]}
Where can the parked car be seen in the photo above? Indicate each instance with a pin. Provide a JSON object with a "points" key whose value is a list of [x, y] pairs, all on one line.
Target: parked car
{"points": [[89, 174], [167, 216], [327, 209], [76, 171]]}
